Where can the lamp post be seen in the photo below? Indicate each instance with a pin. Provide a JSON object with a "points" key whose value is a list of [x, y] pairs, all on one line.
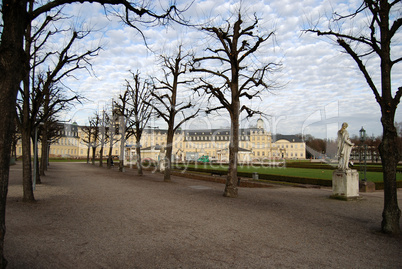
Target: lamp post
{"points": [[362, 139]]}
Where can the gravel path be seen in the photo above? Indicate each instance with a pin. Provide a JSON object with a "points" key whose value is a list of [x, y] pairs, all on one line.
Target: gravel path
{"points": [[91, 217]]}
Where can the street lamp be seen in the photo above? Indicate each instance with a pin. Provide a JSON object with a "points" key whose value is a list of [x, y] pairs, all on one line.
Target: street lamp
{"points": [[362, 134], [362, 139]]}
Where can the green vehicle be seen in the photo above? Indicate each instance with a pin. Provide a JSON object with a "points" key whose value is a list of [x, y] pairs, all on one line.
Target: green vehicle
{"points": [[203, 159]]}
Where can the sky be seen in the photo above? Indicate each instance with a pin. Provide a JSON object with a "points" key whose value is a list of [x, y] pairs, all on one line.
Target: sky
{"points": [[320, 87]]}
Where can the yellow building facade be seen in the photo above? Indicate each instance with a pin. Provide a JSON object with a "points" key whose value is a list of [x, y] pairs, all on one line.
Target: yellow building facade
{"points": [[255, 144]]}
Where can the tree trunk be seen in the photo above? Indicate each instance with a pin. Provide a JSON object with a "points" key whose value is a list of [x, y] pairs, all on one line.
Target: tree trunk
{"points": [[139, 164], [37, 170], [93, 155], [44, 153], [102, 140], [88, 151], [110, 158], [390, 157], [101, 157], [27, 125], [169, 149], [14, 146], [122, 132], [231, 181], [28, 195], [12, 57], [388, 149]]}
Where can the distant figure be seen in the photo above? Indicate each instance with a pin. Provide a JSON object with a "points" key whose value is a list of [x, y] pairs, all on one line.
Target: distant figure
{"points": [[344, 148]]}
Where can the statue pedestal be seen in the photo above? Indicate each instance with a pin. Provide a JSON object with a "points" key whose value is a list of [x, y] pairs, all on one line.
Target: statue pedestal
{"points": [[345, 184]]}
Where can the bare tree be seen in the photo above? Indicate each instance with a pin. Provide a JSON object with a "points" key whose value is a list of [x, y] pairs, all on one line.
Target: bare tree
{"points": [[87, 130], [33, 99], [94, 123], [232, 80], [103, 138], [376, 39], [92, 132], [54, 100], [124, 111], [16, 137], [110, 120], [139, 91], [13, 68], [50, 133], [166, 103]]}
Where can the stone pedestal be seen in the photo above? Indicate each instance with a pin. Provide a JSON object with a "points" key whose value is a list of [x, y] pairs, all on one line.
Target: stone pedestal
{"points": [[345, 184], [366, 186]]}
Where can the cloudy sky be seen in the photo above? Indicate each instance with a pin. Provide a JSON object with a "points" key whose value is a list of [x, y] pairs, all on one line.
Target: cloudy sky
{"points": [[321, 87]]}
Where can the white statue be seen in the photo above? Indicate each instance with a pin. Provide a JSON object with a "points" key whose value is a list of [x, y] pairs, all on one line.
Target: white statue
{"points": [[162, 160], [344, 148]]}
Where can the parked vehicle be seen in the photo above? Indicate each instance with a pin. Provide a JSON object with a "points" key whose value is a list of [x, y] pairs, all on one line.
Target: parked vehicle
{"points": [[203, 159]]}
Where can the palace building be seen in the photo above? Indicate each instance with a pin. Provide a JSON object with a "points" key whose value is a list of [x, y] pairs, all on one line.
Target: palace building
{"points": [[255, 144]]}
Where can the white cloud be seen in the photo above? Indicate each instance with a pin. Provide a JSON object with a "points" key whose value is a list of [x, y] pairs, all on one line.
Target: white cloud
{"points": [[316, 75]]}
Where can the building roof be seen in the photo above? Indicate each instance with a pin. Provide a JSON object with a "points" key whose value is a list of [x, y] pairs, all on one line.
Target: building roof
{"points": [[209, 132], [160, 131], [290, 138], [156, 147]]}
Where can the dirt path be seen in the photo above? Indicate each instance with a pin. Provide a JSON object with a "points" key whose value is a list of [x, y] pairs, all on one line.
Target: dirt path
{"points": [[91, 217]]}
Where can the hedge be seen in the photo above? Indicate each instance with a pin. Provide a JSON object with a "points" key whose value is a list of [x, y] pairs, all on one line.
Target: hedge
{"points": [[281, 178]]}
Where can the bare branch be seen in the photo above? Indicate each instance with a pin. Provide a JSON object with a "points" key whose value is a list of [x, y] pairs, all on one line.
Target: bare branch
{"points": [[250, 112], [169, 13], [185, 120], [396, 61], [212, 72], [361, 8], [340, 35], [362, 67], [395, 27]]}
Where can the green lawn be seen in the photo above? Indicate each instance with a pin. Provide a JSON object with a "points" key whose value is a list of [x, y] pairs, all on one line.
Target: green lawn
{"points": [[295, 172]]}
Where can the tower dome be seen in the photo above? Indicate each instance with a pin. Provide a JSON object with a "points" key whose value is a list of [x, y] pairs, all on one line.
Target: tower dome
{"points": [[260, 124]]}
